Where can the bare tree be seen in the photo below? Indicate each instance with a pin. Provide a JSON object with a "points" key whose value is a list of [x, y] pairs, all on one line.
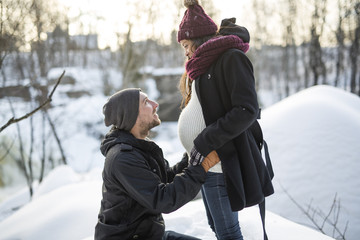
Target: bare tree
{"points": [[317, 64], [43, 20], [133, 54], [304, 60], [355, 44], [57, 138], [340, 38], [12, 26], [5, 152], [290, 58], [24, 167], [26, 163], [128, 58], [260, 7]]}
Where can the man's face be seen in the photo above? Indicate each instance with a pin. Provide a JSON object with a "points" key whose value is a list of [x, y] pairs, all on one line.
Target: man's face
{"points": [[147, 118]]}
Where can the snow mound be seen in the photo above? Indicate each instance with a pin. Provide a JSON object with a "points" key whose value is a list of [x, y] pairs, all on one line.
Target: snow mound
{"points": [[67, 205], [53, 181], [193, 221], [314, 144]]}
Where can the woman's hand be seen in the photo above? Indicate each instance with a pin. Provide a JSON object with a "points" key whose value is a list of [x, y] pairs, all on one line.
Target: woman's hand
{"points": [[210, 160], [207, 162]]}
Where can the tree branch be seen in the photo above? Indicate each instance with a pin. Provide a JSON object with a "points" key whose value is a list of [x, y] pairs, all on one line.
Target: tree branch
{"points": [[311, 213], [7, 150], [48, 100]]}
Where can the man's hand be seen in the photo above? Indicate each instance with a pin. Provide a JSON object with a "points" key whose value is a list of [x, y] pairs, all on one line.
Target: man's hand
{"points": [[195, 157], [210, 160]]}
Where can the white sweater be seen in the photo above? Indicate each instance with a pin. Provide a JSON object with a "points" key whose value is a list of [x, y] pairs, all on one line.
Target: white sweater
{"points": [[191, 123]]}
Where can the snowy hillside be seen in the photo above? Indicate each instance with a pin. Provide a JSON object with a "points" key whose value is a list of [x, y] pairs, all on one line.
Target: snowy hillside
{"points": [[315, 149]]}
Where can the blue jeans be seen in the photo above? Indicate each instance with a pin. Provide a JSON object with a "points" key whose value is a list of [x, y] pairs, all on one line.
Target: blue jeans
{"points": [[222, 220], [171, 235]]}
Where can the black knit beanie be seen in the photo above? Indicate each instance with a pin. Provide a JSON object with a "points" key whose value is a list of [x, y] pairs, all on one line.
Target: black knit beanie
{"points": [[122, 109]]}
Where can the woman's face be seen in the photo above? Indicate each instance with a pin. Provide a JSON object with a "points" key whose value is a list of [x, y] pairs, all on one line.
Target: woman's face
{"points": [[188, 47]]}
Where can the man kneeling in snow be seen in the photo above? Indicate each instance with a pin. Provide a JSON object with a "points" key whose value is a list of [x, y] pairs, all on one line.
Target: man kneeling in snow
{"points": [[138, 184]]}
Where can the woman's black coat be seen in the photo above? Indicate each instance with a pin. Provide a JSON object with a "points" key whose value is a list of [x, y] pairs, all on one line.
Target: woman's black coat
{"points": [[230, 108]]}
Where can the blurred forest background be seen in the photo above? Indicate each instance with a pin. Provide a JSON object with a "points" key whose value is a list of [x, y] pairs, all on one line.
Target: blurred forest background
{"points": [[294, 45]]}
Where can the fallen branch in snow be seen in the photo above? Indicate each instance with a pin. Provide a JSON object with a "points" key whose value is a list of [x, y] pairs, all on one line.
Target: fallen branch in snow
{"points": [[311, 213], [48, 100]]}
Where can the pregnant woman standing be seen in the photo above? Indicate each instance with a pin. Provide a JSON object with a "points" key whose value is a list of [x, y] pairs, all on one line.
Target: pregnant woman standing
{"points": [[220, 118]]}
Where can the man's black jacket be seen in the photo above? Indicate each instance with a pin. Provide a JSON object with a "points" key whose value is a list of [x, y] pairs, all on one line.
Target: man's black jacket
{"points": [[139, 185]]}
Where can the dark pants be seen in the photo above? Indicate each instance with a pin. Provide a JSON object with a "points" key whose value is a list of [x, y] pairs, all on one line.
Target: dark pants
{"points": [[222, 220], [170, 235]]}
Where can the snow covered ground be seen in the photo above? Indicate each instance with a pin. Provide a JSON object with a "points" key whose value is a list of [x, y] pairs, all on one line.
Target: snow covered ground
{"points": [[66, 204], [313, 140]]}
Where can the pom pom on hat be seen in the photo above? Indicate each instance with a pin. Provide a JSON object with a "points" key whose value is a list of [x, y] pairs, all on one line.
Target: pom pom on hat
{"points": [[188, 3], [195, 23]]}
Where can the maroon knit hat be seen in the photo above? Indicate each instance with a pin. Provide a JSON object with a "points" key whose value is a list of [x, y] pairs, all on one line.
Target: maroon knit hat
{"points": [[195, 23]]}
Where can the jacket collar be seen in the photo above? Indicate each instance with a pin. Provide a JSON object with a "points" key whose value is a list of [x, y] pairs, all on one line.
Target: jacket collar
{"points": [[117, 136]]}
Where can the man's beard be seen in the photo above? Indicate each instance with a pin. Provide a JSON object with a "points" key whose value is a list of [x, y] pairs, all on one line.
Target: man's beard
{"points": [[146, 127], [153, 124]]}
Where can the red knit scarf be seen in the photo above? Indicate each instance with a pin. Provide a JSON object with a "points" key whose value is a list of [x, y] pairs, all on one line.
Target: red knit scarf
{"points": [[208, 52]]}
